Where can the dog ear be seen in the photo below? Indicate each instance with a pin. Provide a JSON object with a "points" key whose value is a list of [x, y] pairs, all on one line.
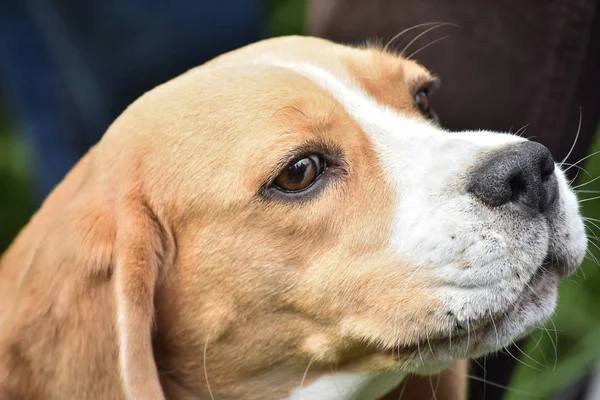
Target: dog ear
{"points": [[142, 255]]}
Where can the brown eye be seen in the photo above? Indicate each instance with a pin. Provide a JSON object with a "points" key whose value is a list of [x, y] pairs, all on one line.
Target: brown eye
{"points": [[422, 102], [300, 174]]}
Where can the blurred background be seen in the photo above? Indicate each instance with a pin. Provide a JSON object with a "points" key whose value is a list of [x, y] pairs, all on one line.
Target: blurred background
{"points": [[67, 69]]}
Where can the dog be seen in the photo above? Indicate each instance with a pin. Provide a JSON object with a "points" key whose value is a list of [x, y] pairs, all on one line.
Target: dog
{"points": [[287, 221]]}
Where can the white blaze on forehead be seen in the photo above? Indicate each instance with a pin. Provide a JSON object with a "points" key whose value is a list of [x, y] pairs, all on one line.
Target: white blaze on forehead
{"points": [[374, 118], [417, 158], [382, 123]]}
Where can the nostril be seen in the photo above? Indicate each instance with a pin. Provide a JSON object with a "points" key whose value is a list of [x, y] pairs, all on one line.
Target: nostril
{"points": [[517, 188], [546, 177], [547, 170]]}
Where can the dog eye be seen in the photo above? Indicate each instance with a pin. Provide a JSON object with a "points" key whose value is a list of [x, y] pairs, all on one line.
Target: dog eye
{"points": [[423, 103], [300, 174]]}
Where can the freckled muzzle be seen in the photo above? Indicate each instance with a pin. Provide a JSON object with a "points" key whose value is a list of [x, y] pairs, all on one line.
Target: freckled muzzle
{"points": [[521, 175]]}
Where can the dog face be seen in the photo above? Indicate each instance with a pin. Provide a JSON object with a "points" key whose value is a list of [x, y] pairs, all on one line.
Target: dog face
{"points": [[317, 215], [322, 217]]}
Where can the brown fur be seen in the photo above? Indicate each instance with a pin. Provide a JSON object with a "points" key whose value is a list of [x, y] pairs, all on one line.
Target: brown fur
{"points": [[156, 249]]}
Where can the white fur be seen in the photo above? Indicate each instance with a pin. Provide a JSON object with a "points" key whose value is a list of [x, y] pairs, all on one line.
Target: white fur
{"points": [[123, 335], [349, 386]]}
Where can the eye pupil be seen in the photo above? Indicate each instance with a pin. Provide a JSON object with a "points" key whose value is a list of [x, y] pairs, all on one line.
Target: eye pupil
{"points": [[300, 171], [300, 174], [422, 101]]}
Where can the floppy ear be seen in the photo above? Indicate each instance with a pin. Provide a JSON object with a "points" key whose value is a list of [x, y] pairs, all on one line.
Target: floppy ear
{"points": [[142, 254]]}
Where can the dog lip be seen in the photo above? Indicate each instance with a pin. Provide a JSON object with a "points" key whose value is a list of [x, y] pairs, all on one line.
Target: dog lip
{"points": [[475, 331], [544, 268], [492, 321], [527, 295], [561, 266]]}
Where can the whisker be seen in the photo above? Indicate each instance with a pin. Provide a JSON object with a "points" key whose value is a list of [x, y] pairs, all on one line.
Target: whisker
{"points": [[498, 385], [589, 199], [402, 391], [586, 183], [398, 35], [204, 366], [576, 137], [494, 325], [528, 356], [433, 390], [574, 178], [592, 223], [537, 344], [519, 360], [591, 234], [478, 363], [468, 337], [484, 376], [556, 339], [412, 275], [553, 345], [429, 344], [597, 248], [426, 31], [334, 382], [593, 260], [419, 349], [424, 47], [491, 383], [583, 159], [521, 130], [450, 336], [306, 372], [578, 167]]}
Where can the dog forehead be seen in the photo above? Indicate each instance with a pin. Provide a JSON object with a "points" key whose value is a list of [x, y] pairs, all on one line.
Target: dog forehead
{"points": [[383, 75], [235, 96]]}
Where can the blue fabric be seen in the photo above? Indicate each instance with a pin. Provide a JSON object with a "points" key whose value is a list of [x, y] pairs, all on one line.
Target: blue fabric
{"points": [[69, 67]]}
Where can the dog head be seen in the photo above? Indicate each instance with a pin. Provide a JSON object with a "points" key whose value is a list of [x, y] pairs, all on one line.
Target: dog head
{"points": [[294, 203]]}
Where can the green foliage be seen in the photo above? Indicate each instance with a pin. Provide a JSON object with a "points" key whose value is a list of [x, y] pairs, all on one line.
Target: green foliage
{"points": [[286, 17], [15, 204]]}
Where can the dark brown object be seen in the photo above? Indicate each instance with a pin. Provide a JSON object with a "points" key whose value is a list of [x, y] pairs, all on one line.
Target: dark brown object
{"points": [[510, 64]]}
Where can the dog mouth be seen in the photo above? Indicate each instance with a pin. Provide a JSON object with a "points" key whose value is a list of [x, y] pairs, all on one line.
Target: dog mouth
{"points": [[487, 333]]}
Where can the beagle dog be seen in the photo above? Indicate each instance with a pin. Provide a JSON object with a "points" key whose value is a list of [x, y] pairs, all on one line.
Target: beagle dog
{"points": [[287, 221]]}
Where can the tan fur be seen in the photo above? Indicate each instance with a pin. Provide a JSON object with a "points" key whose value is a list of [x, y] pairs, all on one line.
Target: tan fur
{"points": [[156, 267]]}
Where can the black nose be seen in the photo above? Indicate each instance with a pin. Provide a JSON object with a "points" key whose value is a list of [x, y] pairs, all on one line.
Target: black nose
{"points": [[521, 174]]}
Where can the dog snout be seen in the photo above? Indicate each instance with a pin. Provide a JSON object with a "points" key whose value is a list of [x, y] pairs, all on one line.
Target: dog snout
{"points": [[521, 174]]}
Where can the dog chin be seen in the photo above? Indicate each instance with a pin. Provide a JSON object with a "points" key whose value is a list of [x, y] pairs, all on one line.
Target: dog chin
{"points": [[533, 309], [483, 335]]}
